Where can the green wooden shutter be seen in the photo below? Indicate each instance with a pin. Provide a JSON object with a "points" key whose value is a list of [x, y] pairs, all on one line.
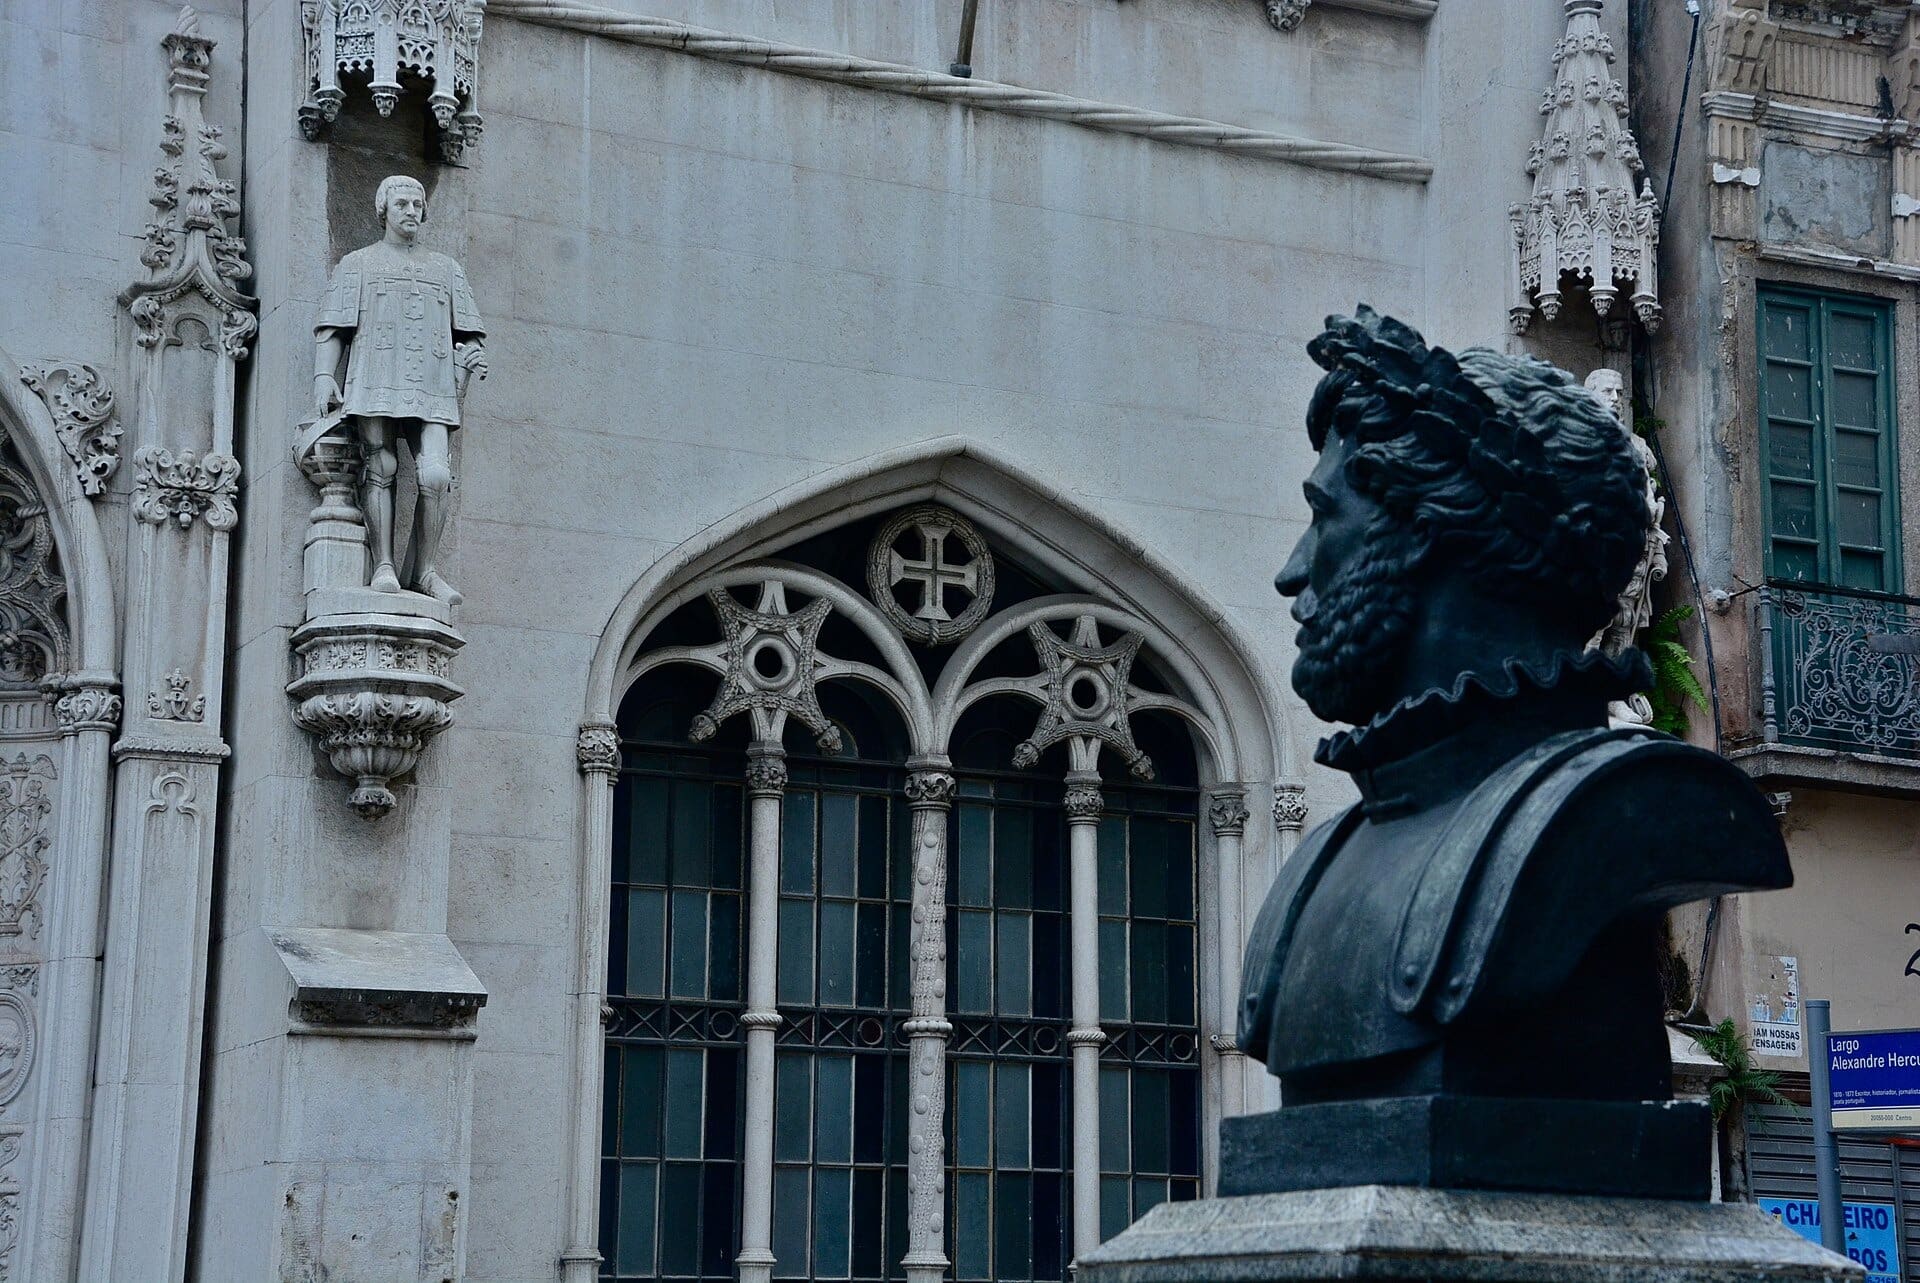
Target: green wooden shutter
{"points": [[1827, 435]]}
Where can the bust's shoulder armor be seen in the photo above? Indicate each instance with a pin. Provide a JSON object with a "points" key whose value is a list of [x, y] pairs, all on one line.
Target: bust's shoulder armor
{"points": [[1556, 846]]}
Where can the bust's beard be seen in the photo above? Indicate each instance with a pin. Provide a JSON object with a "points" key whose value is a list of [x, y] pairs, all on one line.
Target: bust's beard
{"points": [[1350, 649]]}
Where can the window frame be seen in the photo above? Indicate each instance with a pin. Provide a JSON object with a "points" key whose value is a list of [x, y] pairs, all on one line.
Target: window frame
{"points": [[1829, 552]]}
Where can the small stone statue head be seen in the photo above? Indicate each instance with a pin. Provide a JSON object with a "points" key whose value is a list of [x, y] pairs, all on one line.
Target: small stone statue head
{"points": [[1610, 389], [1466, 511], [400, 202]]}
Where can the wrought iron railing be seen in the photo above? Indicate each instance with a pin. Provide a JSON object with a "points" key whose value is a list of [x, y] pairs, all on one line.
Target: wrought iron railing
{"points": [[1840, 669]]}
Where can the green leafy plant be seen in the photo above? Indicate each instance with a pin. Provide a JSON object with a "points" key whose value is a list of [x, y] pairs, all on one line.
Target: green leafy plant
{"points": [[1674, 684], [1745, 1081]]}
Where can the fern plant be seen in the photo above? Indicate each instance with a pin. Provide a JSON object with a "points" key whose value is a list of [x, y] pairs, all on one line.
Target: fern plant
{"points": [[1745, 1081], [1674, 683]]}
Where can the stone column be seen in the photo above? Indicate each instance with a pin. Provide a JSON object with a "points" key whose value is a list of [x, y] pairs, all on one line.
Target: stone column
{"points": [[1289, 819], [598, 750], [930, 790], [1084, 1035], [1227, 817], [766, 785], [87, 711]]}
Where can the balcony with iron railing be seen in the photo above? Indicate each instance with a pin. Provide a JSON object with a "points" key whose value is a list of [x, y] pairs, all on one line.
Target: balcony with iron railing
{"points": [[1839, 688]]}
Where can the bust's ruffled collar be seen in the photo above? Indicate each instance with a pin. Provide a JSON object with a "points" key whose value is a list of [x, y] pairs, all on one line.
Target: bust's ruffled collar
{"points": [[1565, 678]]}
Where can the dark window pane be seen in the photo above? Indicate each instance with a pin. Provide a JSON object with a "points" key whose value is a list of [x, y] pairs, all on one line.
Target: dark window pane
{"points": [[870, 969], [1147, 1195], [1049, 968], [833, 1110], [1179, 870], [1116, 1121], [1858, 517], [723, 1096], [873, 848], [1793, 510], [1013, 858], [610, 1244], [688, 973], [1013, 1217], [869, 1244], [1792, 450], [1113, 971], [723, 983], [1012, 1120], [1789, 391], [1149, 976], [968, 1230], [796, 843], [1148, 882], [973, 965], [1113, 864], [727, 831], [686, 1076], [901, 821], [1114, 1205], [1800, 564], [973, 880], [869, 1109], [792, 1107], [1181, 994], [610, 1076], [900, 955], [679, 1211], [1049, 1228], [692, 818], [796, 953], [1854, 399], [646, 943], [640, 1104], [1151, 1108], [1184, 1123], [836, 954], [1850, 341], [972, 1113], [792, 1216], [1013, 964], [638, 1182], [832, 1221], [1863, 570], [718, 1236], [838, 851], [647, 833], [1856, 458], [1786, 332], [1049, 863]]}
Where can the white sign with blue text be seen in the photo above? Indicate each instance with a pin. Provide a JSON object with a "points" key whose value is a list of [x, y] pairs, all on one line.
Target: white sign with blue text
{"points": [[1873, 1232]]}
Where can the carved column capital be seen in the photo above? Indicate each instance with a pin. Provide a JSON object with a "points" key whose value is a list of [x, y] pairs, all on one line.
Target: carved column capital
{"points": [[1289, 807], [931, 788], [1083, 801], [1227, 812], [766, 769], [92, 706], [597, 749]]}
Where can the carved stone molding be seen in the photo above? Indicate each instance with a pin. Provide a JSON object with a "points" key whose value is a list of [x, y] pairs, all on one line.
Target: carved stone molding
{"points": [[1083, 800], [435, 44], [34, 641], [771, 657], [177, 704], [167, 748], [88, 707], [190, 247], [1585, 218], [374, 690], [26, 809], [1740, 46], [1289, 807], [1227, 812], [766, 771], [170, 489], [931, 788], [597, 749], [1085, 694], [929, 573], [19, 1037], [81, 403], [1285, 15]]}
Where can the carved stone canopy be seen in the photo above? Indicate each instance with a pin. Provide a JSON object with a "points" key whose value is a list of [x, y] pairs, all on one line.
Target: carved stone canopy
{"points": [[432, 43], [1593, 214]]}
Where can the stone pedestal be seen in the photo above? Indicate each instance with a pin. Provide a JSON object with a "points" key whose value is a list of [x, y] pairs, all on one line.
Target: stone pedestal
{"points": [[1382, 1232]]}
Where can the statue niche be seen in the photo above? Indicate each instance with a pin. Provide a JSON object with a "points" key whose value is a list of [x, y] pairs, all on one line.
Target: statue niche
{"points": [[1456, 980]]}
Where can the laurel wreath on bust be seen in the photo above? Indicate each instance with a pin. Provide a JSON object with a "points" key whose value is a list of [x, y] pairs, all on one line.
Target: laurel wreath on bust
{"points": [[1423, 392]]}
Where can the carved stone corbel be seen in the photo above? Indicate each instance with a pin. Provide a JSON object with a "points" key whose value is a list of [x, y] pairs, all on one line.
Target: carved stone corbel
{"points": [[81, 403], [170, 489]]}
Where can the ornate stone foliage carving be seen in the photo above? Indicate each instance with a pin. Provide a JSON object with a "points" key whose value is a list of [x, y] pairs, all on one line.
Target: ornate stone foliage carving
{"points": [[1227, 812], [434, 43], [175, 489], [374, 691], [767, 772], [81, 403], [1085, 694], [190, 246], [770, 657], [19, 1036], [34, 642], [26, 807], [1285, 15], [177, 704], [1083, 800], [597, 748], [931, 788], [86, 708], [928, 571], [1289, 807], [1585, 218]]}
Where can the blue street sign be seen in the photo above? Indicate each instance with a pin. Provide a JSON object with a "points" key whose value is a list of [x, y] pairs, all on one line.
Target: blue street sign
{"points": [[1875, 1077], [1873, 1234]]}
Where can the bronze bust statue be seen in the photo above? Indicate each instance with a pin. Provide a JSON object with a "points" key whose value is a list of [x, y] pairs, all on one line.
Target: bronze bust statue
{"points": [[1457, 979]]}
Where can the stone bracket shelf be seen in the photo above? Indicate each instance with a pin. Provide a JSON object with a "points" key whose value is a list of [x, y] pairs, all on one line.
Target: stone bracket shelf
{"points": [[392, 984]]}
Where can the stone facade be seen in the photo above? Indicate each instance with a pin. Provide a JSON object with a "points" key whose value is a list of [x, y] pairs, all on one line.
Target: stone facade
{"points": [[757, 278]]}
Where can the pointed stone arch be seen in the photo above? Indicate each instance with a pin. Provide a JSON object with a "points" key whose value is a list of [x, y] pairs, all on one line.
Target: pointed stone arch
{"points": [[1115, 581]]}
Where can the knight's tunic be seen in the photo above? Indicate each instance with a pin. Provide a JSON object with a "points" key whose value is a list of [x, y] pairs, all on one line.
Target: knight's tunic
{"points": [[404, 310]]}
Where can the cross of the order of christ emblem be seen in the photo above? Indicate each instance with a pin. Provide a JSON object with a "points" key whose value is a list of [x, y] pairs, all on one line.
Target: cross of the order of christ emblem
{"points": [[928, 551]]}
